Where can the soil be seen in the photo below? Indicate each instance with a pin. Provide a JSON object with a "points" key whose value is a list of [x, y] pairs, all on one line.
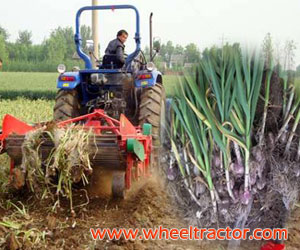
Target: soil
{"points": [[147, 205], [293, 226]]}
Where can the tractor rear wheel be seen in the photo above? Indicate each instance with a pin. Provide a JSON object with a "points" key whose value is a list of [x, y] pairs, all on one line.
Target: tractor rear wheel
{"points": [[152, 110], [66, 105]]}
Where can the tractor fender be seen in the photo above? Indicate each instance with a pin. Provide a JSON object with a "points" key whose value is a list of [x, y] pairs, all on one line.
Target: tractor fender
{"points": [[156, 77], [68, 80]]}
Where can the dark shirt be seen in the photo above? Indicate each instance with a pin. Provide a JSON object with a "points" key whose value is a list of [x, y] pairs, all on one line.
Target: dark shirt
{"points": [[116, 47]]}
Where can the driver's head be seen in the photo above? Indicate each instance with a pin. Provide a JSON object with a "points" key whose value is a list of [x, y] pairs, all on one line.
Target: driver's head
{"points": [[122, 35]]}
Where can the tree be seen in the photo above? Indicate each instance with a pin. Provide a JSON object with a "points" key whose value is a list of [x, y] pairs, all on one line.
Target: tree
{"points": [[56, 49], [86, 34], [170, 50], [192, 53], [3, 50], [37, 53], [4, 33], [156, 45], [25, 38], [167, 51], [147, 53], [60, 46], [179, 50]]}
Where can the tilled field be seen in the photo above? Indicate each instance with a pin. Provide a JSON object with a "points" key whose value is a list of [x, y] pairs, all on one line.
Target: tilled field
{"points": [[146, 206]]}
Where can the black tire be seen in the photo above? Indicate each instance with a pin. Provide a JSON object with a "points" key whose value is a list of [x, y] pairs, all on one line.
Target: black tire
{"points": [[152, 110], [66, 105]]}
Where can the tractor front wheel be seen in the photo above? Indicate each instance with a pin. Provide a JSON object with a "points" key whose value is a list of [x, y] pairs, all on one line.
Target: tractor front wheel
{"points": [[66, 105]]}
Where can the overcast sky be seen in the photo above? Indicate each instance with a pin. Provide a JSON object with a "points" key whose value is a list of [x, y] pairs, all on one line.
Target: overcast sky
{"points": [[204, 22]]}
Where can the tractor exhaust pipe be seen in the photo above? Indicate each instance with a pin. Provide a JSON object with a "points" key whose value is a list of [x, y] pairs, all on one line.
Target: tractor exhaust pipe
{"points": [[151, 40]]}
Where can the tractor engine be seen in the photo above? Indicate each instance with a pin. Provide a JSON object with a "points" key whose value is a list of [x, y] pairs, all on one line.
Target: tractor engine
{"points": [[112, 93], [112, 102]]}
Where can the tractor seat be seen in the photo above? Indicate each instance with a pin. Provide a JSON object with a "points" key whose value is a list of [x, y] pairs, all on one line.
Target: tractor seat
{"points": [[111, 62]]}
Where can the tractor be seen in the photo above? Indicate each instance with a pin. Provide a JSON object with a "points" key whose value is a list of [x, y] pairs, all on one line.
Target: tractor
{"points": [[125, 108]]}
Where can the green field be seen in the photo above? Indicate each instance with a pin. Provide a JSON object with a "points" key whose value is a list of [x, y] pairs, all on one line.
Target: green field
{"points": [[28, 85], [30, 96]]}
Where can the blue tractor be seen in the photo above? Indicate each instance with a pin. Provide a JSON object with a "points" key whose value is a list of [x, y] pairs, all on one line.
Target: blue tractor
{"points": [[135, 90]]}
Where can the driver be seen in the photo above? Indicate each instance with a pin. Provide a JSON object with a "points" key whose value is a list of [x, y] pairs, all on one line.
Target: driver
{"points": [[117, 46]]}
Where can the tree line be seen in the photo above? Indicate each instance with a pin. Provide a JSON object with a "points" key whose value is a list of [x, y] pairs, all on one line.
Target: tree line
{"points": [[59, 47], [23, 55]]}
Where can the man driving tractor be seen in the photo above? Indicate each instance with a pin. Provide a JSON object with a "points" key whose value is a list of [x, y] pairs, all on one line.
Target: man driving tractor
{"points": [[116, 47]]}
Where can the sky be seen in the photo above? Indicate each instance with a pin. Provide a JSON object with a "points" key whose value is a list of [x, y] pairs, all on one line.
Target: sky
{"points": [[203, 22]]}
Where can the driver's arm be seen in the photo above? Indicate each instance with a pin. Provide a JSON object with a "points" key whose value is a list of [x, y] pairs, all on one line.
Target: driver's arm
{"points": [[120, 54]]}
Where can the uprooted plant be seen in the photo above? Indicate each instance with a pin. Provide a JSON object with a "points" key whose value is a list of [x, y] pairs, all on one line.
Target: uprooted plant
{"points": [[67, 163], [222, 141]]}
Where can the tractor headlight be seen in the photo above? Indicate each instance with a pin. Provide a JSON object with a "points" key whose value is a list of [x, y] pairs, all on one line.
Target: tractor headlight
{"points": [[61, 68], [150, 66]]}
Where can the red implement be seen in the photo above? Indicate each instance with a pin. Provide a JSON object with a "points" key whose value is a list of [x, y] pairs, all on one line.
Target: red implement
{"points": [[103, 126], [12, 125], [272, 246]]}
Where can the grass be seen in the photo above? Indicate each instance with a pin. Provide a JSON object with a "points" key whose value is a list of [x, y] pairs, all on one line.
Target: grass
{"points": [[170, 81], [20, 226], [30, 111], [43, 85], [28, 96], [27, 85]]}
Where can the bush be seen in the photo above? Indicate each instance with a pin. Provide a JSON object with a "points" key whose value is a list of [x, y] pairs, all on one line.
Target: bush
{"points": [[35, 66]]}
